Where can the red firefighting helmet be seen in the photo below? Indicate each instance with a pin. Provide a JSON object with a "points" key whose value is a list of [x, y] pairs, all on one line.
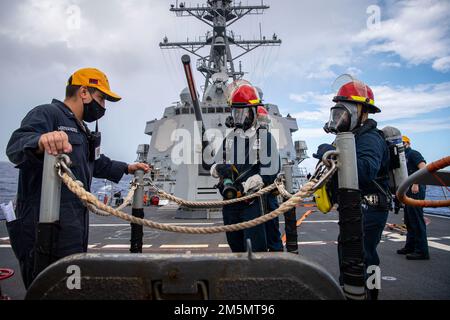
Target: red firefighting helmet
{"points": [[356, 91], [241, 94]]}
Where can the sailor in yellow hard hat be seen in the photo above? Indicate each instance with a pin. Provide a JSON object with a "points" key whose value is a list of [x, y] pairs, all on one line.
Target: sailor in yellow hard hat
{"points": [[416, 246], [405, 139], [56, 128]]}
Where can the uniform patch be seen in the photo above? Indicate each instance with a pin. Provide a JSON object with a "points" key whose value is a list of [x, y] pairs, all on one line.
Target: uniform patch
{"points": [[69, 129]]}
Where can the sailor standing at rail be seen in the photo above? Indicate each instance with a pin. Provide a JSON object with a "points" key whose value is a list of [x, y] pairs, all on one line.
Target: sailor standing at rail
{"points": [[354, 101], [246, 161], [56, 128]]}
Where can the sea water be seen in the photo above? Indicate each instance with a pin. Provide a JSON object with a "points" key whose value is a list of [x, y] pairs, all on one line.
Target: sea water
{"points": [[9, 175]]}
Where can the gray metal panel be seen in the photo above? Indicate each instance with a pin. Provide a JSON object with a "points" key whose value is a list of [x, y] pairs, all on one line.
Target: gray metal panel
{"points": [[347, 163], [227, 276], [149, 127], [51, 191]]}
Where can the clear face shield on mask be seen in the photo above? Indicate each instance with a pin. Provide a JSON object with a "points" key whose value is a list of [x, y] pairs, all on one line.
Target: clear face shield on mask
{"points": [[243, 117], [343, 118]]}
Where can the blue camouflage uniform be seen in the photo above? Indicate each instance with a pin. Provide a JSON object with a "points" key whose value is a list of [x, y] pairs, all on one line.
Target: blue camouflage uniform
{"points": [[373, 164], [416, 238], [265, 236], [74, 219]]}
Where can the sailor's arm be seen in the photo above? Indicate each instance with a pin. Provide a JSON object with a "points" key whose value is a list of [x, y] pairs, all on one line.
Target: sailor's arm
{"points": [[420, 162], [36, 135], [105, 168], [218, 159]]}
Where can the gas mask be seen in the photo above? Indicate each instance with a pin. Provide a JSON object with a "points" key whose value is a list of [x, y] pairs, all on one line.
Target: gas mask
{"points": [[93, 111], [243, 117], [343, 118]]}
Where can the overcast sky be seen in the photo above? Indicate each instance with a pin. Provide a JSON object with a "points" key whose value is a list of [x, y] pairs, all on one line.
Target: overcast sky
{"points": [[405, 58]]}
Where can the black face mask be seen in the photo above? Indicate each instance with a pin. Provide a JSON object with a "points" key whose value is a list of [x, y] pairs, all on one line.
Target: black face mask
{"points": [[93, 111]]}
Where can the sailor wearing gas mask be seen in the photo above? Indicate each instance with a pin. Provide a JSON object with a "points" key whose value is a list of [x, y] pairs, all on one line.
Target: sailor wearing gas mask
{"points": [[354, 102], [247, 161]]}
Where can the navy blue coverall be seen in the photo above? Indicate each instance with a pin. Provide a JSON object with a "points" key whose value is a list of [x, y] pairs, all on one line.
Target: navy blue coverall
{"points": [[416, 237], [265, 236], [372, 156], [74, 219]]}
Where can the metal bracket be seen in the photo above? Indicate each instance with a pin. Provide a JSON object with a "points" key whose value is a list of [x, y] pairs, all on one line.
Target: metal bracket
{"points": [[249, 249], [201, 288], [323, 173]]}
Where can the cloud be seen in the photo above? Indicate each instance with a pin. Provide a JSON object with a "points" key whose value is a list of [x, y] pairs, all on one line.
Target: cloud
{"points": [[320, 115], [408, 102], [396, 102], [319, 44], [121, 37], [418, 32], [442, 64], [422, 125], [391, 64], [304, 97], [309, 133], [39, 52], [323, 73], [353, 71], [323, 70]]}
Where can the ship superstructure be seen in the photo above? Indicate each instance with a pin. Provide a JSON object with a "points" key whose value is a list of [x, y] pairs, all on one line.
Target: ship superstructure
{"points": [[191, 181]]}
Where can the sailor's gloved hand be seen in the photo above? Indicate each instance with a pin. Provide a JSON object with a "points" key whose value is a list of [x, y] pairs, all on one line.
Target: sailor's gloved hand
{"points": [[253, 184], [322, 149], [221, 171], [213, 171]]}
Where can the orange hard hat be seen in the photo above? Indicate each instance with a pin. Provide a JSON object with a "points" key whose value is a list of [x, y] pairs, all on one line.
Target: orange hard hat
{"points": [[94, 78], [405, 139]]}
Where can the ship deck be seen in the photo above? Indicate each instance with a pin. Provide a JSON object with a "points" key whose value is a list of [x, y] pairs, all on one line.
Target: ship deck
{"points": [[401, 278]]}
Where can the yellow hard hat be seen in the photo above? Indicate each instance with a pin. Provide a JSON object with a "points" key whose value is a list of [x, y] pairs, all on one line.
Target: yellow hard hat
{"points": [[94, 78], [406, 139]]}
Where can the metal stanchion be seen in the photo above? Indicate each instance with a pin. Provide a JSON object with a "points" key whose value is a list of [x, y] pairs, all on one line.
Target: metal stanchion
{"points": [[48, 227], [350, 242], [137, 231], [290, 217]]}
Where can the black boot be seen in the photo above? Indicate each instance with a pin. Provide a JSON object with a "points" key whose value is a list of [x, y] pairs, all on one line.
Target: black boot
{"points": [[404, 251], [417, 256]]}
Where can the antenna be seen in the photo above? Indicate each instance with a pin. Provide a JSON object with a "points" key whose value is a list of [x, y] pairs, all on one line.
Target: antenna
{"points": [[219, 15]]}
